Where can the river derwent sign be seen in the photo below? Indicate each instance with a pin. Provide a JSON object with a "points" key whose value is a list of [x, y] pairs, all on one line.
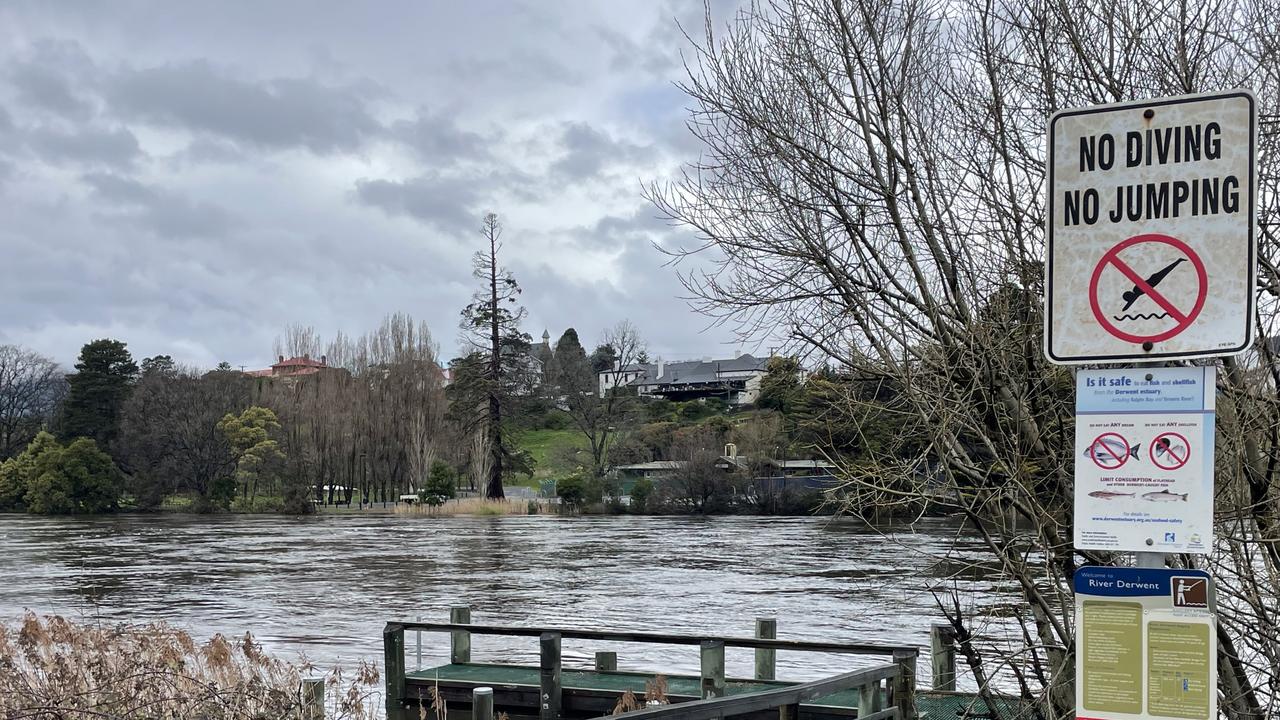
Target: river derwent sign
{"points": [[1151, 247], [1146, 646], [1144, 459]]}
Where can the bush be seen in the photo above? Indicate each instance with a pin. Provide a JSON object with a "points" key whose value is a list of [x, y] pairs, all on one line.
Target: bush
{"points": [[258, 504], [78, 478], [693, 410], [572, 490], [660, 410], [441, 485], [555, 419], [640, 494], [17, 473]]}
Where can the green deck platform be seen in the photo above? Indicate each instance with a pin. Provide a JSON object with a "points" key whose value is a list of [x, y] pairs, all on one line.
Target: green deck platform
{"points": [[931, 706]]}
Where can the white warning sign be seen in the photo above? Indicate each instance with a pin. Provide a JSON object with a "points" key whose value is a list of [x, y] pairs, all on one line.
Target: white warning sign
{"points": [[1151, 251]]}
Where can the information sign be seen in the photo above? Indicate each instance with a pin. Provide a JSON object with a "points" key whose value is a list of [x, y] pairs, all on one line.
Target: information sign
{"points": [[1151, 251], [1144, 459], [1146, 647]]}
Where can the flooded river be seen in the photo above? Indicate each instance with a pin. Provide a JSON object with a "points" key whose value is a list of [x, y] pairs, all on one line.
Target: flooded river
{"points": [[325, 586]]}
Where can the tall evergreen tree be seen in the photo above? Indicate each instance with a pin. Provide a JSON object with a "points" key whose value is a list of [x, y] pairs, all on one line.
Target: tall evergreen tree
{"points": [[97, 390], [571, 371], [491, 324]]}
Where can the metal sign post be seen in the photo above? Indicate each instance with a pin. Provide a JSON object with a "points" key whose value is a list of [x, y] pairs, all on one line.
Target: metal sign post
{"points": [[1151, 257]]}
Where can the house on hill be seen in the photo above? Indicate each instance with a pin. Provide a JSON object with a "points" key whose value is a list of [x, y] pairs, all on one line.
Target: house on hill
{"points": [[293, 367], [734, 380]]}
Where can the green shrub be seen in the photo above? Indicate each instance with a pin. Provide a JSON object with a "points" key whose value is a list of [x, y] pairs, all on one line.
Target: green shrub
{"points": [[660, 410], [694, 410], [555, 419], [17, 473], [441, 485], [78, 478], [572, 490], [258, 504], [640, 494]]}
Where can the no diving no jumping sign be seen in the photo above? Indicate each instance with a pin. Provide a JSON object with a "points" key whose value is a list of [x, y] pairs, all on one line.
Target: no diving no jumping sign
{"points": [[1151, 250]]}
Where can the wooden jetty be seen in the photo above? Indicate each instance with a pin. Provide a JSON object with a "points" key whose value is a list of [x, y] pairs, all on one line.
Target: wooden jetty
{"points": [[551, 692]]}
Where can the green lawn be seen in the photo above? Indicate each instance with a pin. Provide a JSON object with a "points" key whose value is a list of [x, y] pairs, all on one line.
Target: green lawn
{"points": [[550, 450]]}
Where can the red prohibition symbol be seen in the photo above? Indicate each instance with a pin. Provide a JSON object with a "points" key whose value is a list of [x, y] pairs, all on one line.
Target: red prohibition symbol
{"points": [[1109, 451], [1169, 451], [1182, 316]]}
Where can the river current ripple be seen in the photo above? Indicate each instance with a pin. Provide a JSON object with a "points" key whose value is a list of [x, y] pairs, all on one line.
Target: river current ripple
{"points": [[325, 586]]}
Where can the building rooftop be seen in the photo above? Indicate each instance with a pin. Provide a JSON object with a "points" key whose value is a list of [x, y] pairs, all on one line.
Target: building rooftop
{"points": [[692, 371]]}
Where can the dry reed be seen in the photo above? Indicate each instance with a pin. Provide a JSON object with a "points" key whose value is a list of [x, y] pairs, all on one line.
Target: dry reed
{"points": [[466, 506], [655, 693], [55, 668]]}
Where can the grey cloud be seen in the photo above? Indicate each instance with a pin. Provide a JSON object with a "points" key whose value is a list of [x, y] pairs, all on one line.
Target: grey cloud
{"points": [[42, 86], [438, 139], [639, 229], [210, 150], [165, 214], [589, 152], [519, 67], [443, 202], [278, 113], [653, 55], [113, 148]]}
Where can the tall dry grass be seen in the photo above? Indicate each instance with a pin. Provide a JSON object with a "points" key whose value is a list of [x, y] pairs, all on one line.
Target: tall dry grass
{"points": [[53, 668], [466, 506]]}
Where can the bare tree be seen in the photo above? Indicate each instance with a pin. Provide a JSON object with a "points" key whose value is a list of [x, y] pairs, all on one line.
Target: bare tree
{"points": [[31, 386], [872, 183]]}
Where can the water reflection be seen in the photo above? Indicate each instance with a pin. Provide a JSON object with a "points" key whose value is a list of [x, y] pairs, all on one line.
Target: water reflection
{"points": [[325, 586]]}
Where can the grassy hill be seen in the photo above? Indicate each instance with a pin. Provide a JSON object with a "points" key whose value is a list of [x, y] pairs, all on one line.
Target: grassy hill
{"points": [[555, 453]]}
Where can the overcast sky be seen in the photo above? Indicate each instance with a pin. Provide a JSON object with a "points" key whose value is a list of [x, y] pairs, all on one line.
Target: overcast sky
{"points": [[193, 177]]}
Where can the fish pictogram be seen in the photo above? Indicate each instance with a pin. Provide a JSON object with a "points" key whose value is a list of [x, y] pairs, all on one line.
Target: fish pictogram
{"points": [[1165, 496], [1108, 495], [1110, 449]]}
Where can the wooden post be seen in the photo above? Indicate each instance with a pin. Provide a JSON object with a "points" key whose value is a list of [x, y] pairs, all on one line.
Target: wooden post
{"points": [[482, 703], [904, 686], [417, 643], [393, 664], [460, 640], [313, 699], [549, 701], [766, 658], [712, 669], [942, 657], [869, 699], [791, 712], [606, 661]]}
